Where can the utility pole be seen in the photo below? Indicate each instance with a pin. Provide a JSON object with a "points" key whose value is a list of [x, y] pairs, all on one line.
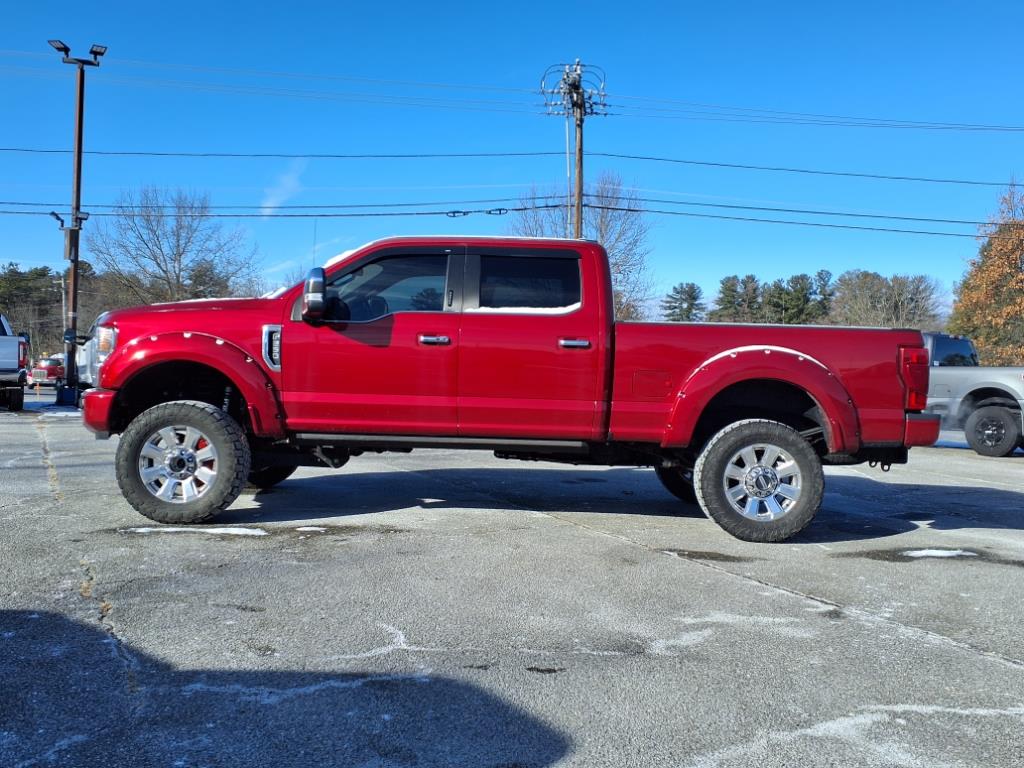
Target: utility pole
{"points": [[577, 94], [72, 233]]}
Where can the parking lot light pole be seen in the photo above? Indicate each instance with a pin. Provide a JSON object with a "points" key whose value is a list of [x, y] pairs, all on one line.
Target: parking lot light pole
{"points": [[69, 394]]}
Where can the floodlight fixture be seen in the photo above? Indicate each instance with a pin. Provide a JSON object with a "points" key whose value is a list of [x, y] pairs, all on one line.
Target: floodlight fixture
{"points": [[97, 50], [60, 47]]}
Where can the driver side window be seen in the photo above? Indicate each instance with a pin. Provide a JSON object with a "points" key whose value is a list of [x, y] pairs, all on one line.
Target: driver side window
{"points": [[388, 285]]}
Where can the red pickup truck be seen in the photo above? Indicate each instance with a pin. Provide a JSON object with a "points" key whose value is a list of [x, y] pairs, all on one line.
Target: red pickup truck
{"points": [[502, 344]]}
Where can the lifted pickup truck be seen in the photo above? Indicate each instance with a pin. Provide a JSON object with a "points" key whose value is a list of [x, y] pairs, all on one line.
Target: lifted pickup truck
{"points": [[13, 367], [507, 345], [986, 402]]}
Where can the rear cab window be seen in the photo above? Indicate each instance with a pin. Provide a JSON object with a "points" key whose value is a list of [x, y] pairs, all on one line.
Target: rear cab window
{"points": [[526, 284], [953, 351]]}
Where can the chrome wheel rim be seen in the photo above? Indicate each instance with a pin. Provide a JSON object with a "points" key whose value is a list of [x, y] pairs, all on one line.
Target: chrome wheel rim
{"points": [[178, 464], [762, 482], [990, 432]]}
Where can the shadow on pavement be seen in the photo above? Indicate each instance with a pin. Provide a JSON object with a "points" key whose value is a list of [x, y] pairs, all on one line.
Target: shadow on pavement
{"points": [[624, 491], [859, 508], [855, 507], [72, 695]]}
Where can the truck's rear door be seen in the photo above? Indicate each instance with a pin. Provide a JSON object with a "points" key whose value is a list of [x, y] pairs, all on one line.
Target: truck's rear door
{"points": [[532, 349]]}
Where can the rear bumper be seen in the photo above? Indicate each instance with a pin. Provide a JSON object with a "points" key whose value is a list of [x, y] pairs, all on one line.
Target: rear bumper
{"points": [[96, 407], [921, 429]]}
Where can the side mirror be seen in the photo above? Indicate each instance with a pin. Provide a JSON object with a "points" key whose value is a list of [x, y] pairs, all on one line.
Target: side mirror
{"points": [[313, 295]]}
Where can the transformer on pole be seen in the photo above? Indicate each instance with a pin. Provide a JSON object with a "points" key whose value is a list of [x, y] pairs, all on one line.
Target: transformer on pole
{"points": [[577, 94]]}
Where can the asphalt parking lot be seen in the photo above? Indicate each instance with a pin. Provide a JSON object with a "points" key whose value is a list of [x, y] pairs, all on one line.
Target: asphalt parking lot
{"points": [[448, 608]]}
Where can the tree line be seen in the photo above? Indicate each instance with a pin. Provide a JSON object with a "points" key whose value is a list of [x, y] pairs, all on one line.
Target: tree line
{"points": [[856, 297], [988, 302]]}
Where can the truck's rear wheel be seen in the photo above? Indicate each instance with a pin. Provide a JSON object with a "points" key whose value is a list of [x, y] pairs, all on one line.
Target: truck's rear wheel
{"points": [[267, 477], [678, 481], [182, 462], [16, 399], [759, 480], [993, 431]]}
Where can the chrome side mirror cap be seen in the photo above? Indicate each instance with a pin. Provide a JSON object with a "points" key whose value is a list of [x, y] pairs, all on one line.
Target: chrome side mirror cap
{"points": [[313, 295]]}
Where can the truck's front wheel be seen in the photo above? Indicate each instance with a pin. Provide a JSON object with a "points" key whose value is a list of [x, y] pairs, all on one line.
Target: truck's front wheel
{"points": [[182, 462], [759, 480]]}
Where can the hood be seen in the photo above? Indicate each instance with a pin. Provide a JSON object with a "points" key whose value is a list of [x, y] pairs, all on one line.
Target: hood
{"points": [[190, 306]]}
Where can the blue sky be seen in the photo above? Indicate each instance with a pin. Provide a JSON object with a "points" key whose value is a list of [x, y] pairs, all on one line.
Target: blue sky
{"points": [[214, 77]]}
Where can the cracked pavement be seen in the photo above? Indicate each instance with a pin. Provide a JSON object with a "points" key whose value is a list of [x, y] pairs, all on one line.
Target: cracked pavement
{"points": [[448, 608]]}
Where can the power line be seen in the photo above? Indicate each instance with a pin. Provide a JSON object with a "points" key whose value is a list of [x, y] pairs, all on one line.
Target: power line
{"points": [[453, 213], [472, 105], [121, 207], [286, 155], [476, 155], [826, 225], [807, 211], [456, 213], [265, 73], [132, 207], [787, 169], [683, 109]]}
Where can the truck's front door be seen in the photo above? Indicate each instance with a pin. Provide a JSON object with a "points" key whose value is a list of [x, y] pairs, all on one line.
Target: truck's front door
{"points": [[383, 360], [532, 354]]}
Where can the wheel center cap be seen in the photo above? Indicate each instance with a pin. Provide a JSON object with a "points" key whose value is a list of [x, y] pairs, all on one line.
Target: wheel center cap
{"points": [[181, 463], [761, 482]]}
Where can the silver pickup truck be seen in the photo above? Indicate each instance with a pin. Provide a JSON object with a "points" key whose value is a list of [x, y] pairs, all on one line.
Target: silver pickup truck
{"points": [[986, 403], [13, 367]]}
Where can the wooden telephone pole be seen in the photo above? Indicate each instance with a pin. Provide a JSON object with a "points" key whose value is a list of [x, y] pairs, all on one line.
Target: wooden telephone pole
{"points": [[577, 94]]}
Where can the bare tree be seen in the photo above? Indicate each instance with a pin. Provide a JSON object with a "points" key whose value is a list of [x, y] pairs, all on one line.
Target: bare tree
{"points": [[162, 245], [868, 298], [611, 217]]}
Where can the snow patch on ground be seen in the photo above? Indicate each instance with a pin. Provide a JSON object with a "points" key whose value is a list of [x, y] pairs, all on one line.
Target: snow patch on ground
{"points": [[212, 531], [311, 528], [939, 553]]}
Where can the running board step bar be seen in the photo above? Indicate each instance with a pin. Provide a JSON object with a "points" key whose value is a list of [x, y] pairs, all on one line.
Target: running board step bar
{"points": [[404, 442]]}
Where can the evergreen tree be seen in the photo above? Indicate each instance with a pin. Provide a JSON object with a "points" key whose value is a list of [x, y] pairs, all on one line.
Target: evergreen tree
{"points": [[749, 300], [684, 304], [727, 303]]}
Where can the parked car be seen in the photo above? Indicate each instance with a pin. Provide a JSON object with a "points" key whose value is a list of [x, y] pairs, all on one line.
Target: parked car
{"points": [[13, 364], [987, 403], [48, 372], [93, 348], [502, 344]]}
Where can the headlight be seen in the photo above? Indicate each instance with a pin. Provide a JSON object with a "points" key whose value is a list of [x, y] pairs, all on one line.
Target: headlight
{"points": [[106, 340]]}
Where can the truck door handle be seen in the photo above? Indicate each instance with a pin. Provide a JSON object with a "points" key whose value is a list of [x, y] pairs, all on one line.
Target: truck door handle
{"points": [[437, 341], [574, 343]]}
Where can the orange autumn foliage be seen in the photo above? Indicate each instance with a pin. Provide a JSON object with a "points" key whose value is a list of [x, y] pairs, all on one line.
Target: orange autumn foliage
{"points": [[989, 306]]}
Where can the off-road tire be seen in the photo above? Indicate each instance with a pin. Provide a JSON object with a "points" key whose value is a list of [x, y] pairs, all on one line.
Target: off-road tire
{"points": [[15, 400], [710, 484], [1002, 426], [266, 478], [227, 437], [678, 481]]}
